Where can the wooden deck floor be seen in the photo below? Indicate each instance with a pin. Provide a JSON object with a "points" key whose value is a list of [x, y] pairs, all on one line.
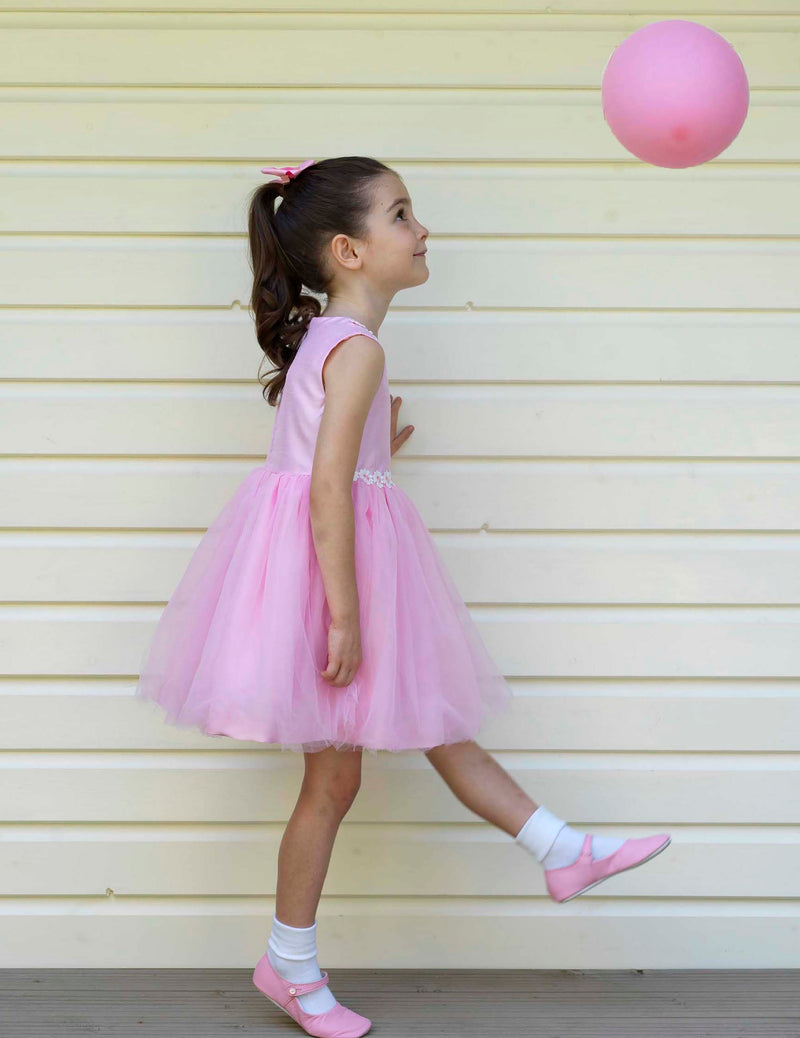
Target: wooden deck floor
{"points": [[195, 1003]]}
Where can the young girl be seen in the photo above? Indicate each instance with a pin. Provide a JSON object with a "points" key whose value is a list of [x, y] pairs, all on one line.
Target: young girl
{"points": [[316, 614]]}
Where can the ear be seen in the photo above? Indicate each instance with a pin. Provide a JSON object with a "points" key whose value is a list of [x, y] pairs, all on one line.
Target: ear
{"points": [[344, 251]]}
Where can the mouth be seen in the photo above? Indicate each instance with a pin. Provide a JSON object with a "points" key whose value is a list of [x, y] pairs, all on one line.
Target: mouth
{"points": [[420, 253]]}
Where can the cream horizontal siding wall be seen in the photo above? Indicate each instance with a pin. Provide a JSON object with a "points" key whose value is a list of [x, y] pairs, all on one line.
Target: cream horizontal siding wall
{"points": [[603, 375]]}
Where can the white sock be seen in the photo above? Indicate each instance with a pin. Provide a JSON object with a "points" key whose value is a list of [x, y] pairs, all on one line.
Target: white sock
{"points": [[292, 950], [554, 844]]}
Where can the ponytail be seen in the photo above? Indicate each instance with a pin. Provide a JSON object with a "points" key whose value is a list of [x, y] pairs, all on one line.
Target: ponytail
{"points": [[287, 247]]}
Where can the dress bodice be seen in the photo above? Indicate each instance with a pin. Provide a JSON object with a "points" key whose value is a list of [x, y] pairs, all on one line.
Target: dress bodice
{"points": [[299, 411]]}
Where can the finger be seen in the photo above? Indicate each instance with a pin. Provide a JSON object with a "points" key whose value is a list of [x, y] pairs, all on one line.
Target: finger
{"points": [[331, 671], [401, 437]]}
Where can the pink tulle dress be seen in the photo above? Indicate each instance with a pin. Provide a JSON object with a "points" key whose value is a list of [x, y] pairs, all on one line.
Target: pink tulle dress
{"points": [[239, 647]]}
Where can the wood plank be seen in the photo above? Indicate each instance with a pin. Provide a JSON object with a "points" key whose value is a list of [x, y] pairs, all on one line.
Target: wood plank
{"points": [[525, 641], [451, 494], [518, 934], [433, 346], [254, 786], [504, 198], [431, 49], [488, 567], [320, 7], [506, 421], [456, 860], [444, 123], [466, 1003], [497, 273], [707, 715], [538, 347]]}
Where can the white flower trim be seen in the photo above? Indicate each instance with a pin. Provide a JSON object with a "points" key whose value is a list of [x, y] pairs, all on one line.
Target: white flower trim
{"points": [[382, 478]]}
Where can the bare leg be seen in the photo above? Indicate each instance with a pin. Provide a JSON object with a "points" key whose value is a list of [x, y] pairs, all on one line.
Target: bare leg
{"points": [[483, 785], [332, 779]]}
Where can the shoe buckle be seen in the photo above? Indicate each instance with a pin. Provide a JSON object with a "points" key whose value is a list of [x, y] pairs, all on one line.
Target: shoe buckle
{"points": [[311, 985]]}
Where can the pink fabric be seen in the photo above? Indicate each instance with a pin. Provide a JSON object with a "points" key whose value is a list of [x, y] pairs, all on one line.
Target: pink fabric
{"points": [[239, 648]]}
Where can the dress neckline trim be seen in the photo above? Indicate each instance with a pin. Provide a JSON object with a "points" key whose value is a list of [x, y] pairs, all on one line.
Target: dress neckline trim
{"points": [[341, 317]]}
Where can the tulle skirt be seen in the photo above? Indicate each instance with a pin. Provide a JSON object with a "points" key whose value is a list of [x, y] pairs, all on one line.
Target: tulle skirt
{"points": [[239, 647]]}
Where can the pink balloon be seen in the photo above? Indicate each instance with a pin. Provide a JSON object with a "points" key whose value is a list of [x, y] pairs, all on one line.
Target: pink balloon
{"points": [[675, 93]]}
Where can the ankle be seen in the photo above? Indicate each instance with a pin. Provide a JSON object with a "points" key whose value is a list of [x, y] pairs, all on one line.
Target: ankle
{"points": [[555, 844], [292, 951]]}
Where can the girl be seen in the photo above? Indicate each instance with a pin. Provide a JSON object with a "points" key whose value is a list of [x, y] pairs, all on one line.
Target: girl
{"points": [[316, 614]]}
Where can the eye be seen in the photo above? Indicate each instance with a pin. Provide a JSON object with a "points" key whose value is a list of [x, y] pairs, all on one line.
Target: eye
{"points": [[399, 211]]}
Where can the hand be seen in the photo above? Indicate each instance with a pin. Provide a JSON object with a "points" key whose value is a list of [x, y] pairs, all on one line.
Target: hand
{"points": [[398, 439], [344, 653]]}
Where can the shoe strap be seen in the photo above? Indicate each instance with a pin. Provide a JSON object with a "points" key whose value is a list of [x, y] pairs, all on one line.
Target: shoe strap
{"points": [[302, 989]]}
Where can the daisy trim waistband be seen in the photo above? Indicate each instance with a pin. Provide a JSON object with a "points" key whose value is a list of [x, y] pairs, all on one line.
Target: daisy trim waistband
{"points": [[383, 477], [378, 477]]}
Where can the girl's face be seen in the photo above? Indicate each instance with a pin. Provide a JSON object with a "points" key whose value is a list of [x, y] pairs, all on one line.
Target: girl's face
{"points": [[395, 250]]}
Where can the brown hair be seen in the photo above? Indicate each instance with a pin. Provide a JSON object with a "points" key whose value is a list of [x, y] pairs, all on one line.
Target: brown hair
{"points": [[287, 247]]}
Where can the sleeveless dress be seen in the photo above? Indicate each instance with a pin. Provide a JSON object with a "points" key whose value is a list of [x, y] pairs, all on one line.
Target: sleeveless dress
{"points": [[239, 647]]}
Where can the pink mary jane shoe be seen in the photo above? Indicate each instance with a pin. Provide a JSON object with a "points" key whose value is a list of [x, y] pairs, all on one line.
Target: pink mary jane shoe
{"points": [[567, 882], [338, 1022]]}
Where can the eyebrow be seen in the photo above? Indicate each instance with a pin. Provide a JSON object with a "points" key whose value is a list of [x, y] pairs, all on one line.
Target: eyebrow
{"points": [[397, 201]]}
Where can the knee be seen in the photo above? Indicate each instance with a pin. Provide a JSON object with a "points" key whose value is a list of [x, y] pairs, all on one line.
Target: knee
{"points": [[337, 793], [451, 750], [344, 793]]}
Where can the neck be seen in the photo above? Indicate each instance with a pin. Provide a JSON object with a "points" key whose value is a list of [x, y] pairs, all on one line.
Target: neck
{"points": [[370, 317]]}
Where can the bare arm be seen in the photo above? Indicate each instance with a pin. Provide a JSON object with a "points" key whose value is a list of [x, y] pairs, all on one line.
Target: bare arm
{"points": [[351, 375]]}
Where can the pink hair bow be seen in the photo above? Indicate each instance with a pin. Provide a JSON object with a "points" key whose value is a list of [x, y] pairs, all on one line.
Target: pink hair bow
{"points": [[284, 174]]}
